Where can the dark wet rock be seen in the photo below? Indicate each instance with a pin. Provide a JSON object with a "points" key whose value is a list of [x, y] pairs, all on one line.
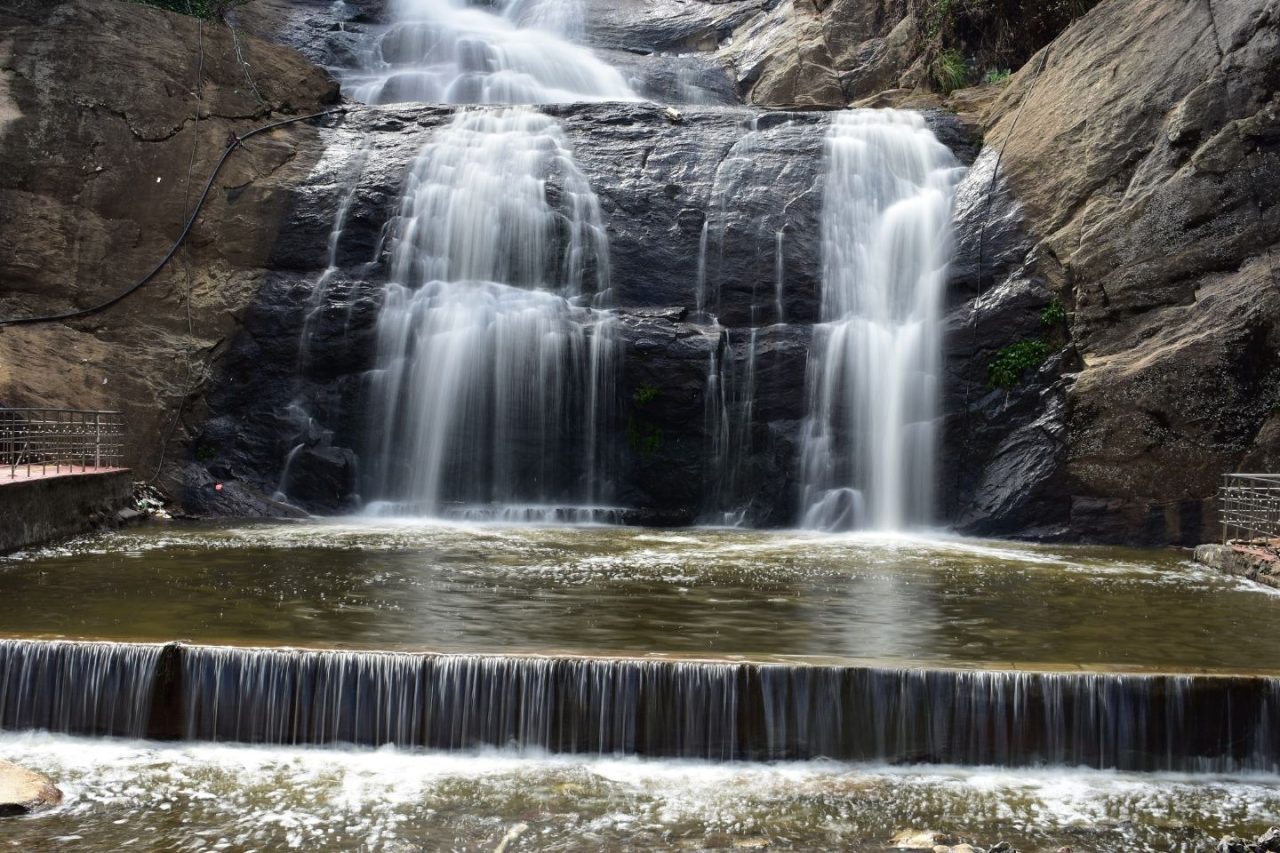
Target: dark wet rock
{"points": [[671, 473], [24, 791], [205, 494], [746, 178], [1003, 451]]}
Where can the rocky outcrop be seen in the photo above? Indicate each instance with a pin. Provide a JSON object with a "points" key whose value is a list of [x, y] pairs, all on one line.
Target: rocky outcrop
{"points": [[1141, 179], [739, 184], [1256, 561], [112, 116], [24, 791]]}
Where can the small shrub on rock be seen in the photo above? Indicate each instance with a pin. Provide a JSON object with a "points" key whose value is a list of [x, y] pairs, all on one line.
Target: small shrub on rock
{"points": [[1006, 369]]}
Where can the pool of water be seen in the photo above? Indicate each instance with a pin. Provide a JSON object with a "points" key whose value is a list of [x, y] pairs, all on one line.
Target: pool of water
{"points": [[124, 795], [601, 590]]}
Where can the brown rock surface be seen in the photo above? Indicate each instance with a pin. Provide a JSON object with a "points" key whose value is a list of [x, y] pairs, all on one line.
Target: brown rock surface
{"points": [[23, 791], [1146, 160], [112, 116], [802, 53]]}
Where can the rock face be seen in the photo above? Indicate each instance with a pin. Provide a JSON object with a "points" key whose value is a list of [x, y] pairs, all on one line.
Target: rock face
{"points": [[738, 184], [24, 791], [1119, 217], [793, 53], [112, 116], [1142, 184]]}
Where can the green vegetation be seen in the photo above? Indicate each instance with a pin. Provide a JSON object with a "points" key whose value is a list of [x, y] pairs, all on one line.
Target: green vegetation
{"points": [[645, 394], [950, 71], [1054, 314], [644, 437], [206, 452], [209, 9], [1006, 369], [988, 38]]}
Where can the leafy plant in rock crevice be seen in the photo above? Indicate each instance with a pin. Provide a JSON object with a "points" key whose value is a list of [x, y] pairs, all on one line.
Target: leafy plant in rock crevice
{"points": [[1011, 362], [950, 71], [1054, 314], [644, 437]]}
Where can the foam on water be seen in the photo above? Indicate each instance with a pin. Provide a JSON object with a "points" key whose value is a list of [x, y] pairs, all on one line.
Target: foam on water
{"points": [[195, 796]]}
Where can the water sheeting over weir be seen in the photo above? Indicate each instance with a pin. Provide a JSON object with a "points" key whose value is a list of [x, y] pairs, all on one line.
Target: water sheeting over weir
{"points": [[660, 708]]}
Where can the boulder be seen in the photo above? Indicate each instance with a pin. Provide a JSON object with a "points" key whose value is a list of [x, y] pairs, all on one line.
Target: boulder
{"points": [[24, 791]]}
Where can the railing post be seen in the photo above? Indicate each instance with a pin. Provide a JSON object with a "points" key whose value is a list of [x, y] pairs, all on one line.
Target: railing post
{"points": [[1223, 507], [42, 438]]}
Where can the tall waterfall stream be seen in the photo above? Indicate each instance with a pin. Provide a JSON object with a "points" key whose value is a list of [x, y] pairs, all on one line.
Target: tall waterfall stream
{"points": [[479, 655]]}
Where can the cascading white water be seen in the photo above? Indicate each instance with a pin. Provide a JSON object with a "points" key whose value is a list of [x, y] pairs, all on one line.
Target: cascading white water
{"points": [[872, 387], [452, 52], [494, 375]]}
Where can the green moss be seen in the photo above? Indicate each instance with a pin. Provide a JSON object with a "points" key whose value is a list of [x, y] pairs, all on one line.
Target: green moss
{"points": [[645, 394], [1054, 314], [199, 8], [997, 75], [644, 437], [1006, 369], [950, 71], [938, 18], [206, 452]]}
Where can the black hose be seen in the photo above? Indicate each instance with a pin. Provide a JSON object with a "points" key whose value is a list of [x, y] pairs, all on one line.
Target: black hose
{"points": [[191, 220]]}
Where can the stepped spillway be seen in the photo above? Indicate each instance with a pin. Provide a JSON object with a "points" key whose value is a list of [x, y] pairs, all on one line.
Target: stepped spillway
{"points": [[661, 708]]}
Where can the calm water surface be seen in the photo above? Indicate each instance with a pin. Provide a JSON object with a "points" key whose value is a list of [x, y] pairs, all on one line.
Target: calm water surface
{"points": [[598, 590]]}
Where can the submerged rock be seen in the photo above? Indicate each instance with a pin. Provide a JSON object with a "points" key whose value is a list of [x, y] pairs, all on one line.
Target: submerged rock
{"points": [[921, 839], [24, 791]]}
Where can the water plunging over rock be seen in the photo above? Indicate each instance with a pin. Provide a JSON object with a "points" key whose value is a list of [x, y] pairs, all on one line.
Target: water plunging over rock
{"points": [[451, 52], [494, 376], [872, 386], [687, 709]]}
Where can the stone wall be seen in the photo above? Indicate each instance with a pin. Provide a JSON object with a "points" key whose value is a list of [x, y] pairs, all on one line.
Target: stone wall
{"points": [[37, 511]]}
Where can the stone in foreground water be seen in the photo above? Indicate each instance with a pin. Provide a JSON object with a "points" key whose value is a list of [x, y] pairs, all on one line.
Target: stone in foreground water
{"points": [[23, 791]]}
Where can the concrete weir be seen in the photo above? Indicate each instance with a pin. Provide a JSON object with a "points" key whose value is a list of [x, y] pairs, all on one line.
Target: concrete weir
{"points": [[44, 507], [712, 710]]}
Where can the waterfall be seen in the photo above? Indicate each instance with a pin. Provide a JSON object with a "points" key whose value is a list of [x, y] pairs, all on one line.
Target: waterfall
{"points": [[77, 688], [868, 442], [494, 382], [452, 52], [669, 708]]}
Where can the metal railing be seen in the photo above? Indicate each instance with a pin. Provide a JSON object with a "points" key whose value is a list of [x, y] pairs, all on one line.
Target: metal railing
{"points": [[1249, 506], [43, 441]]}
